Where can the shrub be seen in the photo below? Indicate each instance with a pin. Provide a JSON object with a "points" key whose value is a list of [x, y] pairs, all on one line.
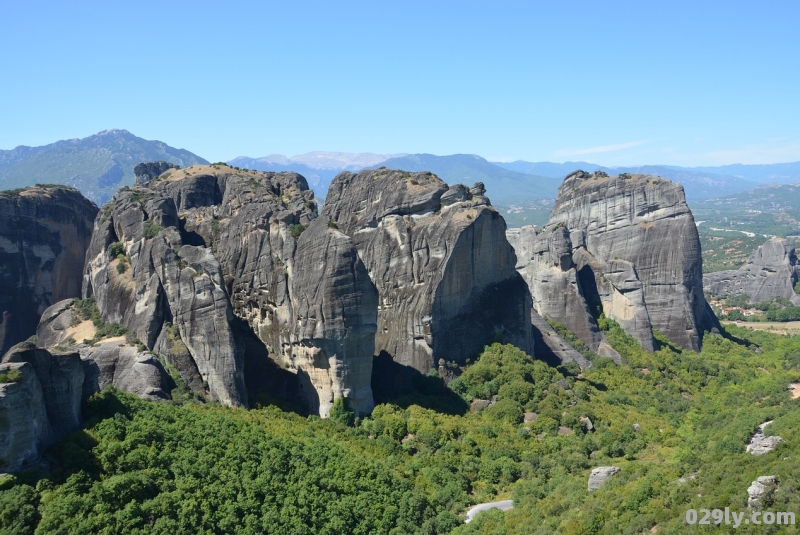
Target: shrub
{"points": [[116, 249], [11, 376], [151, 230], [296, 230], [332, 224]]}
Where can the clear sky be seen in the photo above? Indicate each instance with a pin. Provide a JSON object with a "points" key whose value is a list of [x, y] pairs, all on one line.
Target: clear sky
{"points": [[669, 82]]}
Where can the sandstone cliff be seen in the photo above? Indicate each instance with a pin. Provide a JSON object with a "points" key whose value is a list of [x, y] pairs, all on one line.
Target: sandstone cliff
{"points": [[771, 271], [224, 268], [42, 407], [44, 234], [626, 246], [440, 261]]}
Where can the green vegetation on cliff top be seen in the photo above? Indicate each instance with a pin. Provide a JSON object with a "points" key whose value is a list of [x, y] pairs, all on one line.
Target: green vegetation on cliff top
{"points": [[144, 467]]}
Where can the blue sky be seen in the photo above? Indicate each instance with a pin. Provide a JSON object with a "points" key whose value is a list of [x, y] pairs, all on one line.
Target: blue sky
{"points": [[683, 83]]}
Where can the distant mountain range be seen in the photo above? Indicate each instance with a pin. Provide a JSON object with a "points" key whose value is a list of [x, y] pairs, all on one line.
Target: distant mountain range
{"points": [[318, 168], [97, 165]]}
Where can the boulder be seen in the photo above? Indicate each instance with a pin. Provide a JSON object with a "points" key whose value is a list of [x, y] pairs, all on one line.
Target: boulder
{"points": [[760, 444], [44, 234], [117, 364], [478, 405], [761, 489], [764, 445], [599, 476], [771, 271]]}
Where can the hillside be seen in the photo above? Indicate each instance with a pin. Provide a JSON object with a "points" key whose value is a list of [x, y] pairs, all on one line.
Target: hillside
{"points": [[675, 423], [97, 165]]}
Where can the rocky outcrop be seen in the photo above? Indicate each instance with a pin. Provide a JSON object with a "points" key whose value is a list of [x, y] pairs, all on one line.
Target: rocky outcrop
{"points": [[44, 234], [110, 361], [626, 246], [599, 476], [335, 308], [760, 490], [229, 268], [146, 171], [759, 443], [771, 271], [440, 261], [42, 407]]}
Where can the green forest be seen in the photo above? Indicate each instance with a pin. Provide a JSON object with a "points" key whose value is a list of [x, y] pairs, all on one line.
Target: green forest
{"points": [[675, 422]]}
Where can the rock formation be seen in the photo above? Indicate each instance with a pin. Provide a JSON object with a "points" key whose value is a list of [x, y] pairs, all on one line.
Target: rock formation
{"points": [[42, 407], [106, 361], [599, 476], [44, 234], [439, 258], [771, 271], [761, 489], [626, 246], [228, 268], [146, 171]]}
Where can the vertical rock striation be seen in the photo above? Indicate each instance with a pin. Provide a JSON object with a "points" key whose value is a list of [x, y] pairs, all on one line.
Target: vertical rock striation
{"points": [[627, 246], [44, 234], [771, 271], [228, 269], [41, 408], [438, 256]]}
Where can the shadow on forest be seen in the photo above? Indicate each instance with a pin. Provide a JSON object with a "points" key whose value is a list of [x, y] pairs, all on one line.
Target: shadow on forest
{"points": [[404, 386]]}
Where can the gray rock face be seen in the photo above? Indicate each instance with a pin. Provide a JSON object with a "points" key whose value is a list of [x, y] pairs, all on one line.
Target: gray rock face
{"points": [[146, 171], [335, 318], [551, 348], [42, 408], [220, 259], [24, 427], [44, 234], [771, 271], [760, 489], [126, 368], [599, 476], [439, 258], [760, 444], [626, 246]]}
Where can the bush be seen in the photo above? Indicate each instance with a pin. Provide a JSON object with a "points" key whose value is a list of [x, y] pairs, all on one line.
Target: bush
{"points": [[116, 249], [340, 412], [151, 230], [296, 230], [11, 376]]}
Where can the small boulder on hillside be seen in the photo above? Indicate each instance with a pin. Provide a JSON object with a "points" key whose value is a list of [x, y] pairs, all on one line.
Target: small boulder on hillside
{"points": [[760, 489], [599, 476]]}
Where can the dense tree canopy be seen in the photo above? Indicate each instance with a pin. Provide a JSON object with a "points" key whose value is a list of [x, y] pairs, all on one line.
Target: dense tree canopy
{"points": [[145, 467]]}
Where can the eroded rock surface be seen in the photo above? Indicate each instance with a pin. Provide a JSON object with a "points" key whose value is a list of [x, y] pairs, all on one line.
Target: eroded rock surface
{"points": [[43, 407], [228, 269], [439, 258], [771, 271], [44, 234], [761, 489], [626, 246], [599, 476]]}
